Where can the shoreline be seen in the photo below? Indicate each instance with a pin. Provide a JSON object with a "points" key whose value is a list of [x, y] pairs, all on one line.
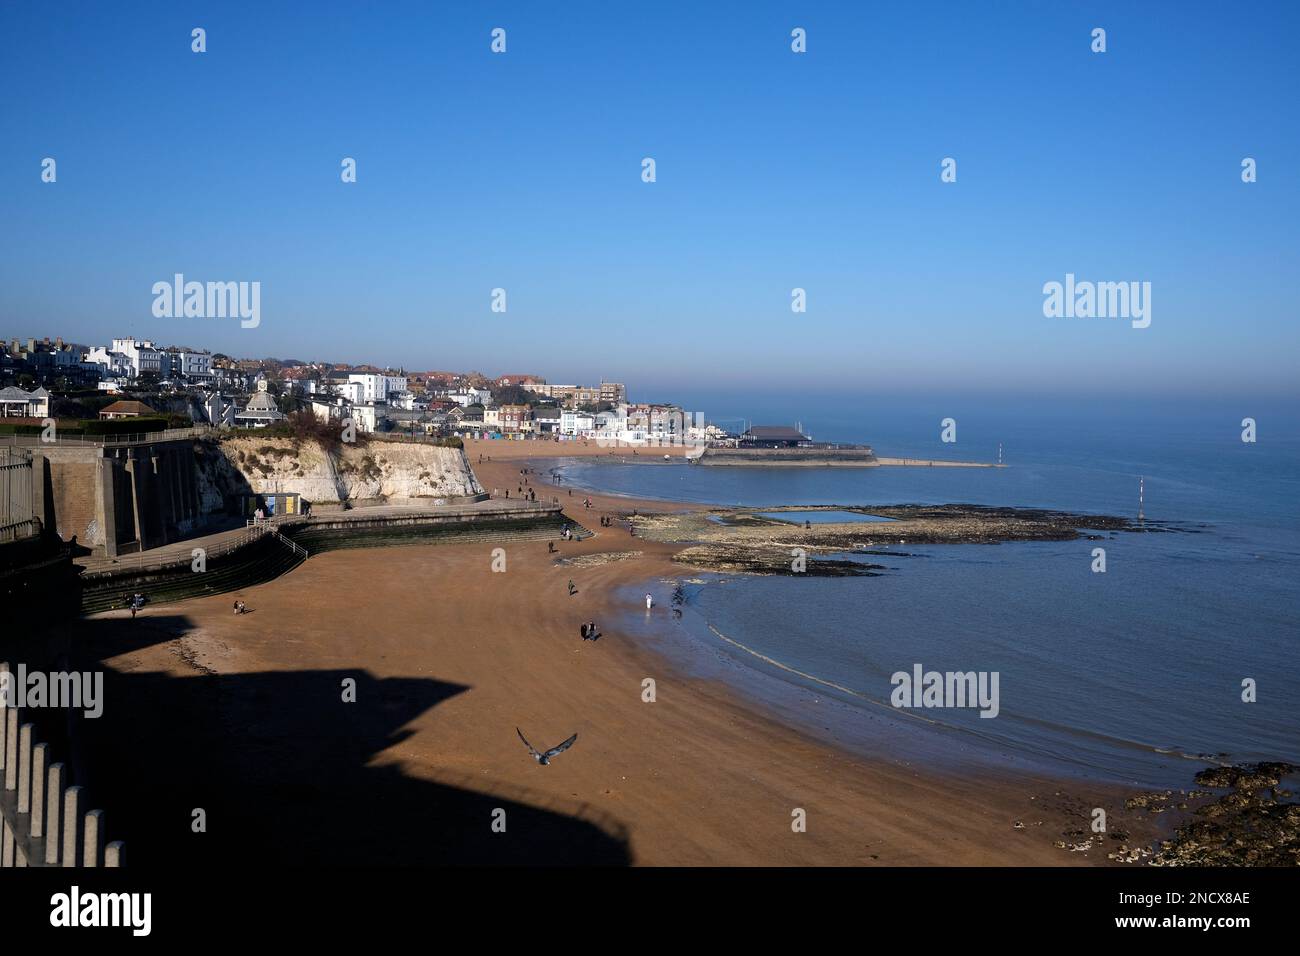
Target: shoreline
{"points": [[1174, 837], [450, 657], [700, 776]]}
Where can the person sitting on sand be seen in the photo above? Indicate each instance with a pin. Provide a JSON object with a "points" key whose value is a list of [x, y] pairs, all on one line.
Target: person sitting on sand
{"points": [[584, 630], [572, 590]]}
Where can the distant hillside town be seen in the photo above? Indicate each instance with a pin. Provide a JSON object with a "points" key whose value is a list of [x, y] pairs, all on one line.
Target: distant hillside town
{"points": [[131, 378]]}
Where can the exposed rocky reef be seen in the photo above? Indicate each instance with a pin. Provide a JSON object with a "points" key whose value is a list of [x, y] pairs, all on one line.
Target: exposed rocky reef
{"points": [[760, 560], [741, 540], [1253, 824]]}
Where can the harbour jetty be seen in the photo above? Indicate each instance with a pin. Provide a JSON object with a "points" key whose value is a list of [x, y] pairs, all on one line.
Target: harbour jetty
{"points": [[782, 446], [814, 455]]}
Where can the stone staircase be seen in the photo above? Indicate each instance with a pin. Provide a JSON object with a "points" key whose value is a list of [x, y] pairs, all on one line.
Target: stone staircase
{"points": [[275, 554], [316, 540], [255, 563]]}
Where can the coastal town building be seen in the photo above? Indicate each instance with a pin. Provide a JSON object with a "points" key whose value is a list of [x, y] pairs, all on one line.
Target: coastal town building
{"points": [[193, 366], [261, 409], [577, 424], [515, 419], [126, 409], [364, 417], [218, 410], [378, 387], [16, 403], [465, 397], [111, 364], [142, 356], [328, 408], [773, 436], [546, 421]]}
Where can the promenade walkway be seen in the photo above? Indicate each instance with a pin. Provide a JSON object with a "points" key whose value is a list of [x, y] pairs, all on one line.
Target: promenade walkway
{"points": [[229, 539]]}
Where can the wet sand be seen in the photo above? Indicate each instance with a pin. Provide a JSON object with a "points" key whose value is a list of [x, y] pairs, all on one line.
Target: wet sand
{"points": [[697, 777]]}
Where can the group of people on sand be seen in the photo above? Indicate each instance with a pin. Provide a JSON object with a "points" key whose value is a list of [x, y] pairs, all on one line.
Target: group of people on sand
{"points": [[589, 631], [240, 608], [136, 603]]}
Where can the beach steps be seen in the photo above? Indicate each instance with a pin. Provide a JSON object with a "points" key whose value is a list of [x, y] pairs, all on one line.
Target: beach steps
{"points": [[273, 555], [317, 540], [263, 560]]}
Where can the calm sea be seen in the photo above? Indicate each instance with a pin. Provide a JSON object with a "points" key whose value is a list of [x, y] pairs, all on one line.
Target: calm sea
{"points": [[1124, 675]]}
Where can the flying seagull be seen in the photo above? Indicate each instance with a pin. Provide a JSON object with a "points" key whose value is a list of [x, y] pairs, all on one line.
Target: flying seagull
{"points": [[545, 758]]}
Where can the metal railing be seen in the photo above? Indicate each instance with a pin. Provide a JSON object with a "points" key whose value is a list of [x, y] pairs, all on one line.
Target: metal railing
{"points": [[294, 546], [152, 560], [16, 517], [108, 441], [17, 530]]}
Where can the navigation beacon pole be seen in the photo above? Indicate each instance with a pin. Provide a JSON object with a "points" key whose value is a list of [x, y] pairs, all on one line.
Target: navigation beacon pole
{"points": [[1141, 496]]}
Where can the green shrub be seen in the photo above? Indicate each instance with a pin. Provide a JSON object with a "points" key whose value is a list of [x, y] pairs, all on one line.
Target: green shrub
{"points": [[124, 426]]}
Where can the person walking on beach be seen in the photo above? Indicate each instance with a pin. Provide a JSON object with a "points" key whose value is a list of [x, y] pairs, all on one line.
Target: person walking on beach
{"points": [[583, 630], [649, 602], [572, 590]]}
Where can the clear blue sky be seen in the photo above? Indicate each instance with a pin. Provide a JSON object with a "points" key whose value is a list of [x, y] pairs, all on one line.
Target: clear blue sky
{"points": [[775, 170]]}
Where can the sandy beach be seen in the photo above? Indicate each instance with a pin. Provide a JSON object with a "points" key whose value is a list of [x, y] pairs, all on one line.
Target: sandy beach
{"points": [[497, 466], [449, 657]]}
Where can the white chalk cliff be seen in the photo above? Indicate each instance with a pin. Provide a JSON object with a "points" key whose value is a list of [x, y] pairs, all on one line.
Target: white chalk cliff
{"points": [[374, 470]]}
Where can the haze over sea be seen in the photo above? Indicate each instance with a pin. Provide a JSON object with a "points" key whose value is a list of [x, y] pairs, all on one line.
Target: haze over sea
{"points": [[1118, 675]]}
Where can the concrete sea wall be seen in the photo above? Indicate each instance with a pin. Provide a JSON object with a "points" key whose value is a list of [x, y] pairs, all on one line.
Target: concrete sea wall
{"points": [[769, 457], [127, 497]]}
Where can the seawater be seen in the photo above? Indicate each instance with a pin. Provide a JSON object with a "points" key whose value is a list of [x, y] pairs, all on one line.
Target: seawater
{"points": [[1125, 675]]}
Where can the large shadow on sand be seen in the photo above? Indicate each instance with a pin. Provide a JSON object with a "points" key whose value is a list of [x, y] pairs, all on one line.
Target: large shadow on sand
{"points": [[282, 768]]}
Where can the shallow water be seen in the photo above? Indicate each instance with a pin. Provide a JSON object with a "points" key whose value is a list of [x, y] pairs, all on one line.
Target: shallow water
{"points": [[1135, 673]]}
